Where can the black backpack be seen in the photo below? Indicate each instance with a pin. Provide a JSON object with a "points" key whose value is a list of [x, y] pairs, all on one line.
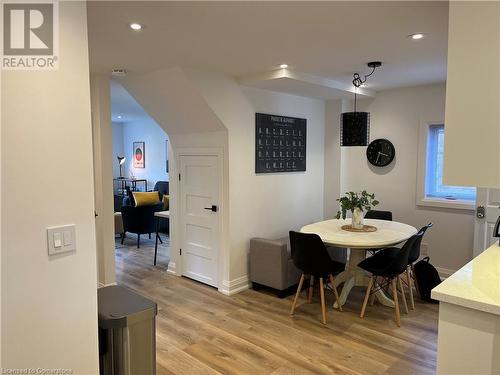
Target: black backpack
{"points": [[427, 277]]}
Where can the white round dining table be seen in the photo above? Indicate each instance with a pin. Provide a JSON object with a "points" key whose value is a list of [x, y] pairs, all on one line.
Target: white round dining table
{"points": [[388, 233]]}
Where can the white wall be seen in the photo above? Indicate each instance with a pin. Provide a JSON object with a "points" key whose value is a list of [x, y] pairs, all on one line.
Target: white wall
{"points": [[272, 204], [332, 157], [154, 137], [285, 201], [117, 140], [49, 305], [396, 115]]}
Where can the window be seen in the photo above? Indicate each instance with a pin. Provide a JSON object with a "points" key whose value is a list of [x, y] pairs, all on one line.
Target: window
{"points": [[434, 187]]}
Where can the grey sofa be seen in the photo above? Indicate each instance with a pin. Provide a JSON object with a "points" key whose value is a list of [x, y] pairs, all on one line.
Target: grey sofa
{"points": [[271, 264]]}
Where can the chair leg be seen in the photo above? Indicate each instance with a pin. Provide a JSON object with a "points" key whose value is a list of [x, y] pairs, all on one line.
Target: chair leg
{"points": [[396, 303], [156, 249], [374, 285], [335, 293], [367, 296], [149, 235], [123, 237], [322, 295], [310, 293], [299, 288], [138, 240], [410, 288], [405, 305]]}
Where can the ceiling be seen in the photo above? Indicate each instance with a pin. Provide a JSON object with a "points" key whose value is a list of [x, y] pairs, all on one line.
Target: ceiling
{"points": [[125, 106], [329, 40]]}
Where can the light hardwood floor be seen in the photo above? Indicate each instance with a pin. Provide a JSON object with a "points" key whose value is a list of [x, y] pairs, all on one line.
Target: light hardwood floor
{"points": [[200, 331]]}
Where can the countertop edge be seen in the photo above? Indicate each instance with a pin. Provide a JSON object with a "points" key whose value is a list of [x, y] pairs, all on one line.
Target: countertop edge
{"points": [[465, 302], [458, 290]]}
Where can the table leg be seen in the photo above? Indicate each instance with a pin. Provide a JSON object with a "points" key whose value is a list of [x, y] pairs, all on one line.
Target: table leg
{"points": [[348, 285], [156, 238], [355, 276], [383, 299]]}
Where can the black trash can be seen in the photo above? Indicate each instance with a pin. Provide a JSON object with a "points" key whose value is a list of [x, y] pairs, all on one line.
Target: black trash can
{"points": [[127, 326]]}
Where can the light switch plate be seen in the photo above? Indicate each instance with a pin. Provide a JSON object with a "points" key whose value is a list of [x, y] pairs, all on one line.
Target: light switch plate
{"points": [[61, 239]]}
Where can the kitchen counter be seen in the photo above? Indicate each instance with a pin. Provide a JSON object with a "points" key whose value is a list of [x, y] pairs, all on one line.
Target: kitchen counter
{"points": [[469, 317], [476, 285]]}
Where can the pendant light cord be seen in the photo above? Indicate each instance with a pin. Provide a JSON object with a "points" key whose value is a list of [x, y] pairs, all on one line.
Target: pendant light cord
{"points": [[355, 97], [358, 81]]}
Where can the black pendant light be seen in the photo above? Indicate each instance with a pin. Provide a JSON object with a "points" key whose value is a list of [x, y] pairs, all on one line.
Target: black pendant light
{"points": [[355, 126]]}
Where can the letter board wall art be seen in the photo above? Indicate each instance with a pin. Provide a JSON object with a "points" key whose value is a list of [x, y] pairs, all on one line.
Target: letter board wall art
{"points": [[280, 143]]}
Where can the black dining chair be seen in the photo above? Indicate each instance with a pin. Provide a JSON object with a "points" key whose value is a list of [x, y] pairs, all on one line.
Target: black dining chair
{"points": [[379, 215], [389, 271], [309, 255], [391, 252]]}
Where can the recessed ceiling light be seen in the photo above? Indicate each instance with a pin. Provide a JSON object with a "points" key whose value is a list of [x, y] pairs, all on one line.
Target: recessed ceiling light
{"points": [[136, 26], [284, 66], [417, 36], [118, 117]]}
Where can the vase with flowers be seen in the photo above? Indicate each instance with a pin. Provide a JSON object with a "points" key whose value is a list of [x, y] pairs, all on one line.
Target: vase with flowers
{"points": [[356, 202]]}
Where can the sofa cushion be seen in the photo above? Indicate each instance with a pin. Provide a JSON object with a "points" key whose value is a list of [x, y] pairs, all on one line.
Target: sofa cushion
{"points": [[146, 198], [166, 202]]}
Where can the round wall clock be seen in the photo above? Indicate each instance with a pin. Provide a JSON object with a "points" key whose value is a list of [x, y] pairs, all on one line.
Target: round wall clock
{"points": [[380, 152]]}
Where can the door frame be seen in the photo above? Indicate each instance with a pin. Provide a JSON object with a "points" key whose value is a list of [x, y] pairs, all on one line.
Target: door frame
{"points": [[177, 218], [481, 225]]}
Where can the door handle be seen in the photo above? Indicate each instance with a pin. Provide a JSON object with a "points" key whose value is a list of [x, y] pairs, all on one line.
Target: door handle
{"points": [[213, 208]]}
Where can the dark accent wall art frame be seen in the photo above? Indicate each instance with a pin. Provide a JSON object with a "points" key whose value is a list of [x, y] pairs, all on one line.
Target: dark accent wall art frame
{"points": [[280, 143]]}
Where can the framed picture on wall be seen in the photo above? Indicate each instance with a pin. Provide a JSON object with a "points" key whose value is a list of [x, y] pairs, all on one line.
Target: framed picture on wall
{"points": [[166, 155], [139, 155]]}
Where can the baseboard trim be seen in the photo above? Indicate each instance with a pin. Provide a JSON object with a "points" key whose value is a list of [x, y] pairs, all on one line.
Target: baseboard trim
{"points": [[172, 268], [232, 287], [102, 285], [444, 273]]}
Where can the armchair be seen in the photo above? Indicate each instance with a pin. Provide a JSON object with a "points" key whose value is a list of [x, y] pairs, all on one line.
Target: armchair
{"points": [[162, 188], [140, 220]]}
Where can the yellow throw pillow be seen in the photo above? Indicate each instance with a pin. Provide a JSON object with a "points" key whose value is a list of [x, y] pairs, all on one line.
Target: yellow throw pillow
{"points": [[146, 198], [166, 202]]}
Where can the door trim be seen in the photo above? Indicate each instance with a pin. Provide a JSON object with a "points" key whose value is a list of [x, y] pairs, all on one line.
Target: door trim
{"points": [[222, 255]]}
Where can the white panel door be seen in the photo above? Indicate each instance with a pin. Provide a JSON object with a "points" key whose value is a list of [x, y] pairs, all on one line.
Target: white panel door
{"points": [[199, 199], [483, 227]]}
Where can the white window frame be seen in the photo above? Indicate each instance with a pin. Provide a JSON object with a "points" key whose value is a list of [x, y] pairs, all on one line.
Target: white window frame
{"points": [[421, 199]]}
